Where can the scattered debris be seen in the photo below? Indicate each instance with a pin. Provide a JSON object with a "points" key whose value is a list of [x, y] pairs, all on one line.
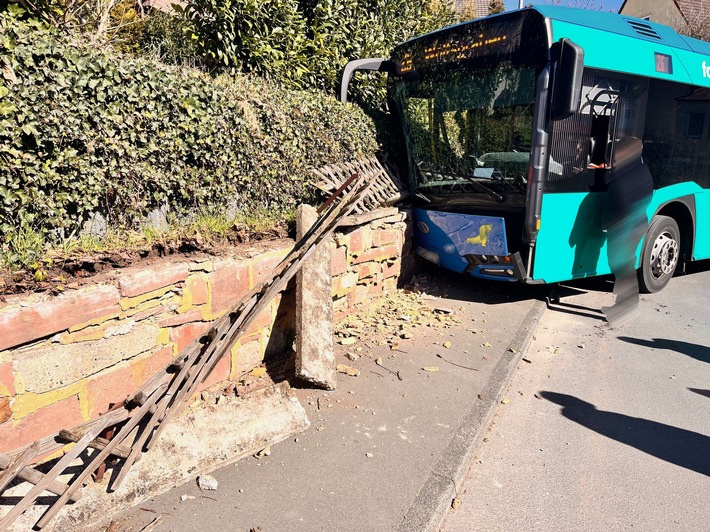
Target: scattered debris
{"points": [[505, 401], [447, 345], [342, 368], [266, 451], [395, 318], [455, 503], [186, 497], [369, 455], [432, 369], [455, 364], [486, 344], [206, 482], [154, 523]]}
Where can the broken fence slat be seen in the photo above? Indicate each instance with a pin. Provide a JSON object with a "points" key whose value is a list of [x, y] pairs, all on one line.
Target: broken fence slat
{"points": [[98, 443], [33, 476], [29, 499], [140, 442], [100, 457], [18, 464]]}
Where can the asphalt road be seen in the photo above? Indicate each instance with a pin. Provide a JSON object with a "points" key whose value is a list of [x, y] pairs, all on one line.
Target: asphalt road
{"points": [[602, 428]]}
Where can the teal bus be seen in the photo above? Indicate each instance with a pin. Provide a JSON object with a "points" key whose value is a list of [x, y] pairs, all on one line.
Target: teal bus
{"points": [[510, 123]]}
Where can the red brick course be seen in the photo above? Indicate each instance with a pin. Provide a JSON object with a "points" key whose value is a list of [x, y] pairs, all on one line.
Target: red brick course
{"points": [[185, 334], [7, 380], [111, 387], [47, 420], [142, 282], [338, 260], [19, 325], [229, 284], [181, 319], [264, 265], [380, 254], [219, 374]]}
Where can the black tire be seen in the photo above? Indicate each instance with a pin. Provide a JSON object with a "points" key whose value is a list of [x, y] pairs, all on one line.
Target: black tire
{"points": [[660, 254]]}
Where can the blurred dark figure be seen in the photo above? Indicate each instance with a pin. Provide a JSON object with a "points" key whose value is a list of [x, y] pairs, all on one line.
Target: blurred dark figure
{"points": [[625, 220]]}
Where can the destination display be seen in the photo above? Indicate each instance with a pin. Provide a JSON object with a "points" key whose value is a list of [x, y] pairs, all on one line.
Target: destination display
{"points": [[491, 38]]}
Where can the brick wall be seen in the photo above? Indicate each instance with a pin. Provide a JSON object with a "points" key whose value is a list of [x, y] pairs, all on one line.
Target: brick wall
{"points": [[66, 359]]}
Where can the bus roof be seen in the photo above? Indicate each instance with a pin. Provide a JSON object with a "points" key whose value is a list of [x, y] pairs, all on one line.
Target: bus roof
{"points": [[627, 44]]}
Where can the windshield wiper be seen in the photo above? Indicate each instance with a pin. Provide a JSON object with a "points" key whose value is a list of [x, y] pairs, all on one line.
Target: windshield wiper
{"points": [[421, 196], [483, 188]]}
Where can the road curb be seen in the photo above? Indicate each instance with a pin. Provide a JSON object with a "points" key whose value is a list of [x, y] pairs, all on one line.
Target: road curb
{"points": [[434, 498]]}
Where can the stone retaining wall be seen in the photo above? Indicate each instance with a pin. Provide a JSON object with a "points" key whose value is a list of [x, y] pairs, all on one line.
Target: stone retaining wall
{"points": [[65, 359]]}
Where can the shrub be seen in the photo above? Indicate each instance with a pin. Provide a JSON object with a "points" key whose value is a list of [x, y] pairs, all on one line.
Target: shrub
{"points": [[84, 131], [306, 43]]}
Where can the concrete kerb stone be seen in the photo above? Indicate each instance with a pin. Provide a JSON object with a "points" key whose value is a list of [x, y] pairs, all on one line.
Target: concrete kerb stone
{"points": [[434, 498]]}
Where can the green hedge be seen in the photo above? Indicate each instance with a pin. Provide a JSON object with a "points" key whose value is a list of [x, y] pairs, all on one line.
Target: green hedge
{"points": [[83, 131]]}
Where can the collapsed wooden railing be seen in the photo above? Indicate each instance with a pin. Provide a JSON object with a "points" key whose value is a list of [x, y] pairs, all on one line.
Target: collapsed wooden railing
{"points": [[141, 419]]}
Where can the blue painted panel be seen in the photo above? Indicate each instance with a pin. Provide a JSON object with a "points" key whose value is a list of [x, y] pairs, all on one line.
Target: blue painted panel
{"points": [[454, 235]]}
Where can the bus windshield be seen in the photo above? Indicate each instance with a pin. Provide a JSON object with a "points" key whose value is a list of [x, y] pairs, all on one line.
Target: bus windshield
{"points": [[469, 129]]}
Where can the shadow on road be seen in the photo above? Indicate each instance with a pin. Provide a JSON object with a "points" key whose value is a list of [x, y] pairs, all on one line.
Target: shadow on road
{"points": [[696, 351], [700, 391], [443, 283], [678, 446]]}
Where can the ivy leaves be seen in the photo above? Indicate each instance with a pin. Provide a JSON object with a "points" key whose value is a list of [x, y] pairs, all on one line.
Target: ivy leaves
{"points": [[85, 131]]}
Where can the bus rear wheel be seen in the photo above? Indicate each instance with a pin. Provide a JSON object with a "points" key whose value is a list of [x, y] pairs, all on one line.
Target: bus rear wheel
{"points": [[661, 251]]}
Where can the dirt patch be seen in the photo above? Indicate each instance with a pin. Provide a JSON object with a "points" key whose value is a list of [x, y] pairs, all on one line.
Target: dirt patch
{"points": [[70, 271]]}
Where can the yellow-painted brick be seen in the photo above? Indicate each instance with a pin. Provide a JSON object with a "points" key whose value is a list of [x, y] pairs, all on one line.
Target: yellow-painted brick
{"points": [[208, 315], [147, 305], [95, 332], [163, 337], [26, 403], [185, 303], [56, 454], [132, 302], [204, 266], [196, 292], [19, 384], [94, 322]]}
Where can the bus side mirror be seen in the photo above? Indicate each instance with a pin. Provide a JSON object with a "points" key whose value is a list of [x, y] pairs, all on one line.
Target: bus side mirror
{"points": [[568, 58], [377, 63]]}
